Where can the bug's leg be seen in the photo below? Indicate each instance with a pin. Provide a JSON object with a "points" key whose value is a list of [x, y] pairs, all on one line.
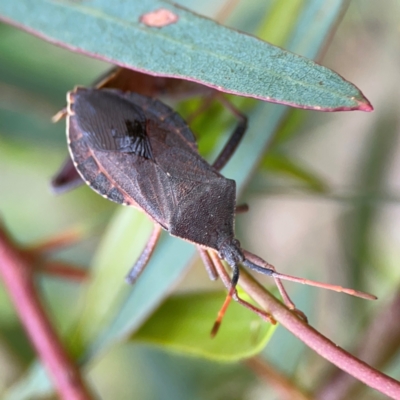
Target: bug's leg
{"points": [[106, 79], [209, 265], [144, 258], [66, 178], [241, 208], [59, 115], [237, 135], [103, 81], [230, 284], [227, 281]]}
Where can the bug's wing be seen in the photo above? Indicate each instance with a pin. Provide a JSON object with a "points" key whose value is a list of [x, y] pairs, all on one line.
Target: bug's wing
{"points": [[165, 118], [141, 182], [109, 122]]}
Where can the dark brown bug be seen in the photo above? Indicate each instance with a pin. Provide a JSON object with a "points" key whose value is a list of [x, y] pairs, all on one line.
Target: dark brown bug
{"points": [[136, 151]]}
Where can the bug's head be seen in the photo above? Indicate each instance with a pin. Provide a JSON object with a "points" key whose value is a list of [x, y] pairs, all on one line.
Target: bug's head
{"points": [[231, 252]]}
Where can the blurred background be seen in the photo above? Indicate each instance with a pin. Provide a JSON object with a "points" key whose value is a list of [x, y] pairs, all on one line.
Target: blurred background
{"points": [[324, 204]]}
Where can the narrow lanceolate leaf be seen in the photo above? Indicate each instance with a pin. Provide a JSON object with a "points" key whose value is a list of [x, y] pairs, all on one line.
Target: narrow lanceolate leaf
{"points": [[183, 324], [159, 38]]}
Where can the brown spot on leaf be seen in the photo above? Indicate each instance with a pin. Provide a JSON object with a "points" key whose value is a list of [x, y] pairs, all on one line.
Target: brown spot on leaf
{"points": [[159, 18]]}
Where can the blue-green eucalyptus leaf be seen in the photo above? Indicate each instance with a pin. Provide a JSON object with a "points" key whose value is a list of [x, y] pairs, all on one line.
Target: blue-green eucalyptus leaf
{"points": [[192, 47]]}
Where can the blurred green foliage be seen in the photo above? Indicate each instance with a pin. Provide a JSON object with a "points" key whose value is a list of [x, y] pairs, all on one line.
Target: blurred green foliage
{"points": [[301, 164]]}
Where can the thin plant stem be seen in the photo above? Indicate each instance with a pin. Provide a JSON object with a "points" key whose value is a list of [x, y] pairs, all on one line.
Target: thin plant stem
{"points": [[377, 345], [319, 343], [18, 281]]}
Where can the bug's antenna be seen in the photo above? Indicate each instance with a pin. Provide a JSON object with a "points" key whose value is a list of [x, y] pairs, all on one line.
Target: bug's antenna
{"points": [[222, 311], [267, 270]]}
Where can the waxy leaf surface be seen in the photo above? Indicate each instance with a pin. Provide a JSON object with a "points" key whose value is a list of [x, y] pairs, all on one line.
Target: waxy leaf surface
{"points": [[193, 48]]}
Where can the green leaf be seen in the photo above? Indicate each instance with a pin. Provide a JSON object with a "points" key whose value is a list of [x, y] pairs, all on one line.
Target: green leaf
{"points": [[283, 165], [39, 384], [192, 48], [120, 247], [183, 324], [108, 296], [276, 24]]}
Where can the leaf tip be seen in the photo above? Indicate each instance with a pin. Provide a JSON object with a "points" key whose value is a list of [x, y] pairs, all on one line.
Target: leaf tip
{"points": [[365, 105], [361, 102]]}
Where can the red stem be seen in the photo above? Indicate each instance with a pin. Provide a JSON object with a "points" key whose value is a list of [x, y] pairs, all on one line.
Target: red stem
{"points": [[18, 280], [319, 343], [378, 344], [64, 270]]}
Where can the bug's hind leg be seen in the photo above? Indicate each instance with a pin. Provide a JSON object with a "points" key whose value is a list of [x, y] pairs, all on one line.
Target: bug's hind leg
{"points": [[144, 258]]}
